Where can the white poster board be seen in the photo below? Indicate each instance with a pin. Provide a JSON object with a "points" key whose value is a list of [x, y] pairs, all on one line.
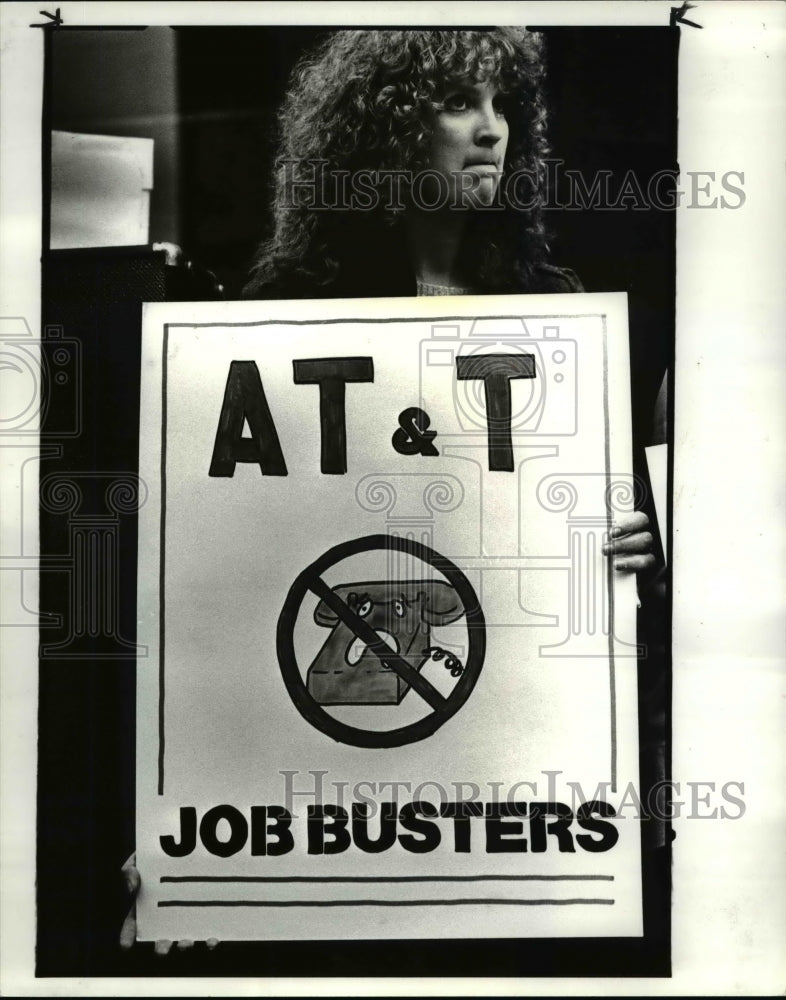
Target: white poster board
{"points": [[433, 477]]}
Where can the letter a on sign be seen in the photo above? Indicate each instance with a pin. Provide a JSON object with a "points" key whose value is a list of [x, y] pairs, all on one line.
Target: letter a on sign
{"points": [[245, 403]]}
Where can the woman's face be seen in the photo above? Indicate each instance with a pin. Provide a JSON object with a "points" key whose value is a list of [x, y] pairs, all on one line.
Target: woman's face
{"points": [[469, 140]]}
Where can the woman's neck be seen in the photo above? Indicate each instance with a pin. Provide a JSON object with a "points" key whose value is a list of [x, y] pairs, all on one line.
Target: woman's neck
{"points": [[434, 242]]}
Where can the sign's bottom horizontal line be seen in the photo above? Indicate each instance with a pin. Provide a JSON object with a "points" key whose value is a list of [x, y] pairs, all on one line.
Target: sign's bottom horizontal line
{"points": [[386, 902], [284, 879]]}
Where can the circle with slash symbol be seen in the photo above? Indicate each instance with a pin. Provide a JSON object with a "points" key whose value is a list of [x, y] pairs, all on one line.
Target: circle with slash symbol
{"points": [[379, 640]]}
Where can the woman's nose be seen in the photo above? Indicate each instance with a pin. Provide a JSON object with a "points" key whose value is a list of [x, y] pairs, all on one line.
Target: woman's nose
{"points": [[491, 125]]}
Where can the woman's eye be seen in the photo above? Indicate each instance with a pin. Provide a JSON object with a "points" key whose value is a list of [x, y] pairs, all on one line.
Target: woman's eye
{"points": [[456, 102], [398, 607], [364, 608]]}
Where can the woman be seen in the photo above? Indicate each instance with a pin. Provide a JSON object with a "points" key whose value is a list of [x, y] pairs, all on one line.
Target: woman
{"points": [[411, 162]]}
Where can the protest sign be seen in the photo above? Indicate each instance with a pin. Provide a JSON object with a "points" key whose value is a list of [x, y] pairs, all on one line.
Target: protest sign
{"points": [[387, 685]]}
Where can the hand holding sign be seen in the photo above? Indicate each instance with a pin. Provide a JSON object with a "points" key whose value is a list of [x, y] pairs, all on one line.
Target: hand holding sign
{"points": [[132, 881], [632, 541]]}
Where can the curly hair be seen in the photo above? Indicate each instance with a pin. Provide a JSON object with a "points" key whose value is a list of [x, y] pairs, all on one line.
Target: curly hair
{"points": [[365, 100]]}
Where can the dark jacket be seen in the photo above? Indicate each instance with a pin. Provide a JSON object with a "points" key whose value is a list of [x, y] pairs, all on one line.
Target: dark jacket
{"points": [[546, 280], [380, 267]]}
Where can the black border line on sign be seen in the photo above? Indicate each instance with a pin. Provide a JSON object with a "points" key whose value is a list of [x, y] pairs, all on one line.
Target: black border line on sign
{"points": [[289, 879], [162, 574], [609, 561], [386, 902]]}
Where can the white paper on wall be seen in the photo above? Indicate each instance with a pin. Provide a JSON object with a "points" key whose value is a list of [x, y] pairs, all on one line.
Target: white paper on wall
{"points": [[389, 680], [101, 187]]}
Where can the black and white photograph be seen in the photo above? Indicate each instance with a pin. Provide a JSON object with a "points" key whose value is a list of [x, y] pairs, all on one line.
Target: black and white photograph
{"points": [[366, 581]]}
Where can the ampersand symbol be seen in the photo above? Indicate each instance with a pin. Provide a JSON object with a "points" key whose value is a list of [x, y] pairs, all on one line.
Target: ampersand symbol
{"points": [[412, 438]]}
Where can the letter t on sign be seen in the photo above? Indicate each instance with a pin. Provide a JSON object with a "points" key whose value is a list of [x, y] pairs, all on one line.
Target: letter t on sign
{"points": [[332, 375], [497, 370]]}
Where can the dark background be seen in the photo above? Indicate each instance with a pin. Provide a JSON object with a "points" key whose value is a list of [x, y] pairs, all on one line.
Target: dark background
{"points": [[208, 98]]}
